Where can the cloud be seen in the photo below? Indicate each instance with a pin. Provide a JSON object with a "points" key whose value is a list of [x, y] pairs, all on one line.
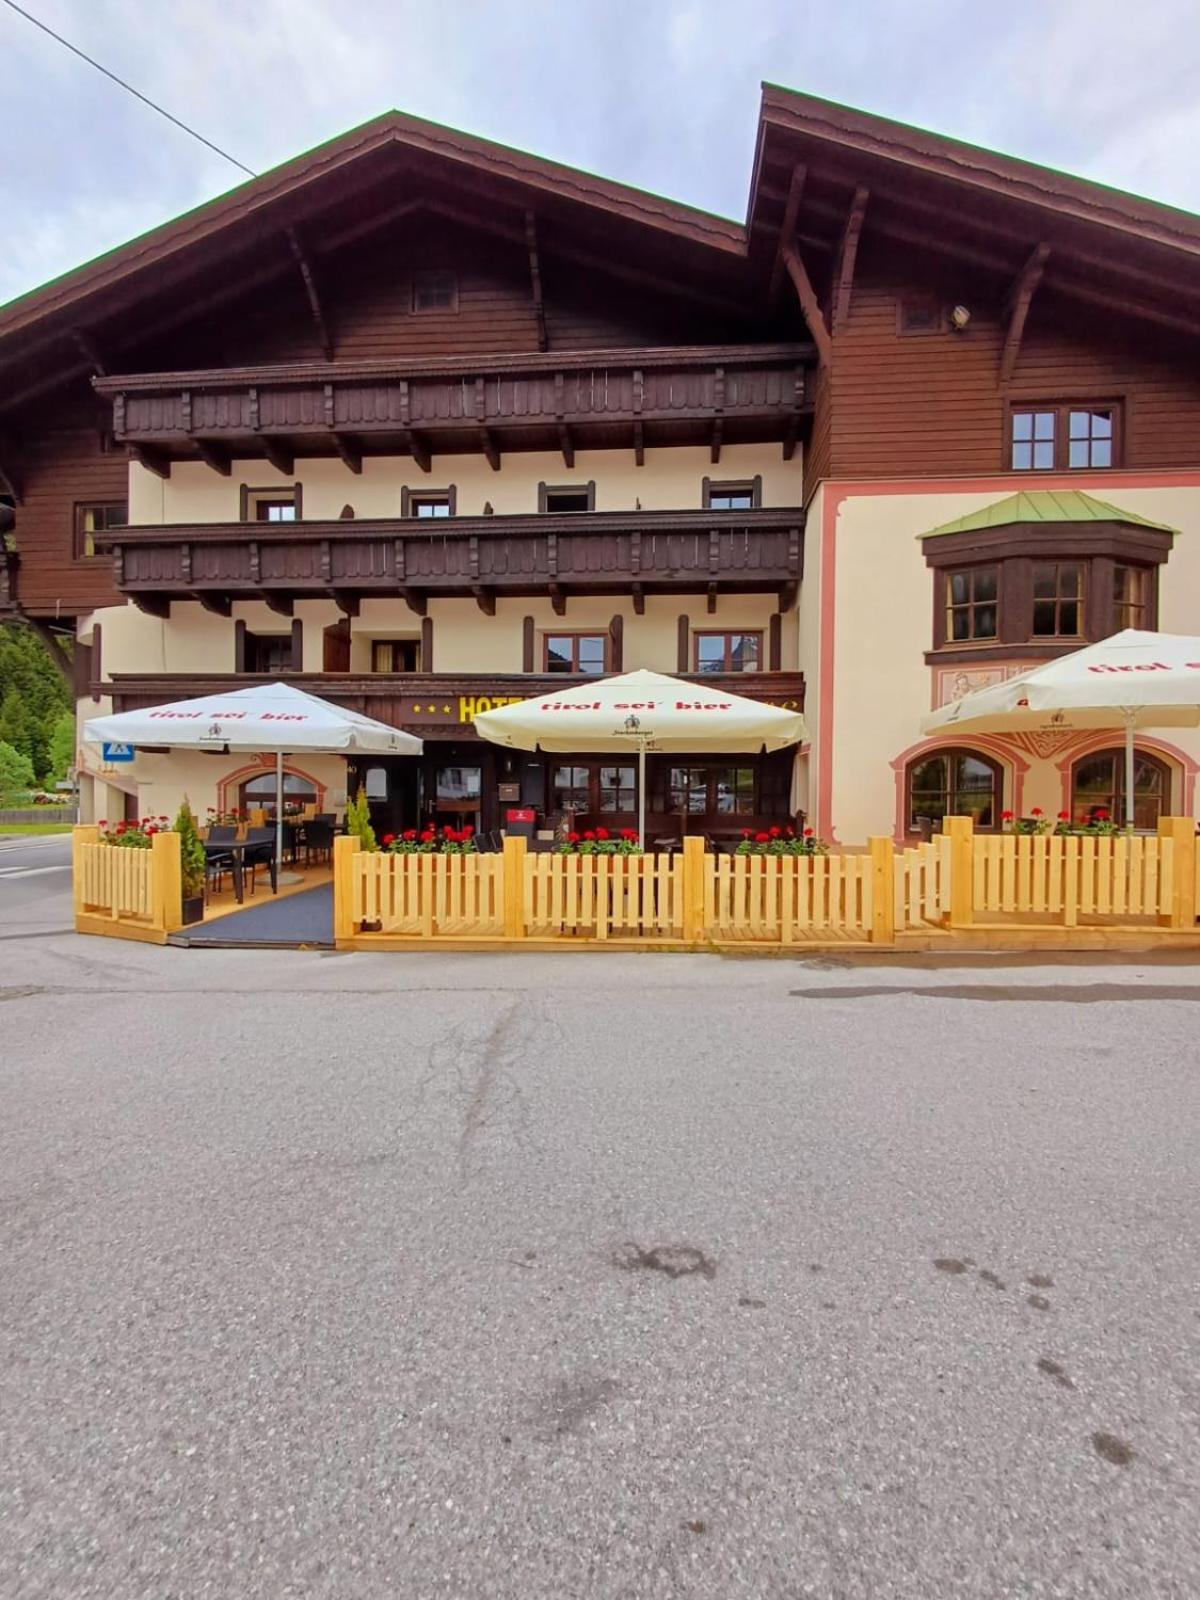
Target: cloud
{"points": [[662, 95]]}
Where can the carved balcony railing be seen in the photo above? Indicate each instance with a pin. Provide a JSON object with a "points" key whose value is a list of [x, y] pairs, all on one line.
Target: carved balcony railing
{"points": [[596, 399], [626, 552]]}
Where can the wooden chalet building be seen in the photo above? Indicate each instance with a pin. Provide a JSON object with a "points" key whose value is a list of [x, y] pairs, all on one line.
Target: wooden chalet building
{"points": [[427, 424]]}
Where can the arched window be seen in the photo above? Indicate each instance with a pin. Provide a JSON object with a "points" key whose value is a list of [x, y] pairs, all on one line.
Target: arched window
{"points": [[1098, 784], [953, 783], [298, 792]]}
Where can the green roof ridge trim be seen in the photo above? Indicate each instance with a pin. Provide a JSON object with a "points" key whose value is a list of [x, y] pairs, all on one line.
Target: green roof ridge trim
{"points": [[1043, 505], [988, 150]]}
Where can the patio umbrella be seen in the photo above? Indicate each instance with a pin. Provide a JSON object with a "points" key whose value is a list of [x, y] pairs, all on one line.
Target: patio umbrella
{"points": [[272, 717], [1133, 680], [642, 711]]}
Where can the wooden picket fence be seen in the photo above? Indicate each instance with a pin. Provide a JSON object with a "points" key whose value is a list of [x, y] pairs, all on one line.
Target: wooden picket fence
{"points": [[788, 899], [921, 890], [429, 897], [125, 893], [603, 897]]}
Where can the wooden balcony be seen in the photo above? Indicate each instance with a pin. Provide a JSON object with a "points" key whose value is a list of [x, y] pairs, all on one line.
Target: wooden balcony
{"points": [[593, 553], [600, 399], [432, 705]]}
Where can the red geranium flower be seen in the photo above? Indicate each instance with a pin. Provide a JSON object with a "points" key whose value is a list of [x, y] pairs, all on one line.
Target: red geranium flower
{"points": [[572, 838], [1006, 816], [589, 834], [762, 838], [389, 838], [1036, 811], [602, 833], [790, 833], [449, 835], [1064, 816], [409, 834], [745, 833], [467, 832], [775, 832], [1101, 815], [428, 836], [808, 833], [629, 833], [103, 823]]}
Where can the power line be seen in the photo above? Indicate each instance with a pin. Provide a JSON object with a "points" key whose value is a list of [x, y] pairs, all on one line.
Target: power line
{"points": [[145, 99]]}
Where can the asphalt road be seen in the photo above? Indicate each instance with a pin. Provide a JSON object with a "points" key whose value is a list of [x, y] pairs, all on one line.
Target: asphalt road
{"points": [[605, 1276]]}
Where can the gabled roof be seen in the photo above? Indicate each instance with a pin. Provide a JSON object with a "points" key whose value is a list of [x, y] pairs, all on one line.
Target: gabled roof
{"points": [[1053, 506]]}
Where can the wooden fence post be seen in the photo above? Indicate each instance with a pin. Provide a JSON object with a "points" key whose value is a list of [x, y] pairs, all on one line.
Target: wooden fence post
{"points": [[961, 832], [1181, 831], [80, 835], [883, 883], [514, 886], [694, 867], [166, 882], [345, 847]]}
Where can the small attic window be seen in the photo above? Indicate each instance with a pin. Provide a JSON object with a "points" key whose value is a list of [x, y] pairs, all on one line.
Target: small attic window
{"points": [[434, 291], [920, 313]]}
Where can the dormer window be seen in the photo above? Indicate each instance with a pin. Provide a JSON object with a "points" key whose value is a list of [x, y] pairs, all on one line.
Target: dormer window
{"points": [[434, 291]]}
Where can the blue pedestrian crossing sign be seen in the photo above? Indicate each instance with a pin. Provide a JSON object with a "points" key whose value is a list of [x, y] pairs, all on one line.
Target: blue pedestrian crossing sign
{"points": [[119, 752]]}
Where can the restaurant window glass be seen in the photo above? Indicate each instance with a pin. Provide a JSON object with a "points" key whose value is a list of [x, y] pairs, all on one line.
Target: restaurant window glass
{"points": [[459, 786], [728, 652], [1098, 788], [734, 791], [570, 787], [688, 789], [953, 783], [618, 789], [576, 652], [258, 792], [1057, 599], [972, 604]]}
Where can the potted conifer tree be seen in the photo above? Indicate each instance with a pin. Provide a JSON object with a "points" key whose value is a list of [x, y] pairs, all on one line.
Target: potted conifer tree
{"points": [[193, 864]]}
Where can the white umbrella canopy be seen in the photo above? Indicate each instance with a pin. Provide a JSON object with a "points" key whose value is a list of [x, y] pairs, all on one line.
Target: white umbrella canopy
{"points": [[1133, 680], [271, 717], [642, 711]]}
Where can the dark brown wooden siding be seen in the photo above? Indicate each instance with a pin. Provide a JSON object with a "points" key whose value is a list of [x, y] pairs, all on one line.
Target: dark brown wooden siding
{"points": [[61, 467], [910, 404]]}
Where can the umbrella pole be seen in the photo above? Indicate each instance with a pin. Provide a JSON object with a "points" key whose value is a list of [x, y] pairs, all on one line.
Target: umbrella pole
{"points": [[642, 793], [278, 816], [1129, 771]]}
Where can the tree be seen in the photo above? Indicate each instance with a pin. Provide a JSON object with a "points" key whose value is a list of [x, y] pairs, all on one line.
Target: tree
{"points": [[33, 696], [16, 770], [358, 820], [62, 746]]}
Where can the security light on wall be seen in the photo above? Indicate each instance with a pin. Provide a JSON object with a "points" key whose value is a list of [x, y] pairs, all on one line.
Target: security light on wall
{"points": [[959, 317]]}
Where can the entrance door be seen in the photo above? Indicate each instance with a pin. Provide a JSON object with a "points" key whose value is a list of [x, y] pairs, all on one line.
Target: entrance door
{"points": [[391, 787]]}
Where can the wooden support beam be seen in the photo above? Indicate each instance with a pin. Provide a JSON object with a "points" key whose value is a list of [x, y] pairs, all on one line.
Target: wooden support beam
{"points": [[320, 321], [566, 444], [1020, 299], [809, 304], [280, 604], [639, 599], [787, 595], [219, 604], [712, 598], [485, 599], [714, 449], [414, 600], [86, 345], [419, 451], [490, 449], [153, 460], [349, 450], [842, 278], [639, 445], [787, 230], [154, 605], [215, 456], [346, 600], [535, 278], [558, 600], [790, 434], [278, 454]]}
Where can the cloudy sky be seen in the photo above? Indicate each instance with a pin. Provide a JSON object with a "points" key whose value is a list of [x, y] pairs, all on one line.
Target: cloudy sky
{"points": [[659, 93]]}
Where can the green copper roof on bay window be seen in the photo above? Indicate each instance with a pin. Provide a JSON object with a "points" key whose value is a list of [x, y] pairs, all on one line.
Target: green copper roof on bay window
{"points": [[1044, 505]]}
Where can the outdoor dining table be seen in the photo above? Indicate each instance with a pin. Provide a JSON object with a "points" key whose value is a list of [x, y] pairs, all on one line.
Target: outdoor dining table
{"points": [[236, 850]]}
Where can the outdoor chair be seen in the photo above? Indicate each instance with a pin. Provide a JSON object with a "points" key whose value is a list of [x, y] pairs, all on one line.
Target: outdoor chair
{"points": [[222, 833], [318, 840], [259, 852]]}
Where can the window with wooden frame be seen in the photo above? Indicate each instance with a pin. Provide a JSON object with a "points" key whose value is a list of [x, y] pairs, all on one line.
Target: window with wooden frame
{"points": [[712, 790], [270, 505], [972, 604], [953, 783], [920, 313], [268, 653], [435, 291], [597, 788], [567, 497], [1064, 437], [1098, 788], [1132, 595], [727, 652], [394, 655], [1057, 600], [428, 504], [743, 495], [576, 652], [96, 517]]}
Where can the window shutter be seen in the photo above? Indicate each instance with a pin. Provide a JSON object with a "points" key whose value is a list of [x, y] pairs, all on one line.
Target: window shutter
{"points": [[616, 632], [297, 645], [239, 646], [775, 643], [426, 644], [527, 641], [681, 661]]}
